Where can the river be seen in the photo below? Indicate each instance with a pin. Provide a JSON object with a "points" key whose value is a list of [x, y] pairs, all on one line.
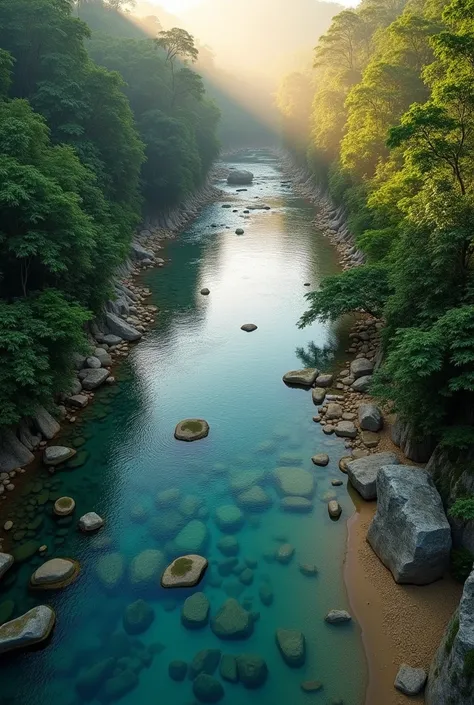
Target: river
{"points": [[197, 362]]}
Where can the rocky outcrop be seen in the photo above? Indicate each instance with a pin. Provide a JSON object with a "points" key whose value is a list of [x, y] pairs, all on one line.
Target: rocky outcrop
{"points": [[13, 453], [451, 676], [117, 326], [370, 417], [363, 472], [45, 423], [410, 532], [416, 448]]}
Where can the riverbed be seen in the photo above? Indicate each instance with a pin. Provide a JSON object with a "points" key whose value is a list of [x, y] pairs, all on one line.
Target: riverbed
{"points": [[197, 362]]}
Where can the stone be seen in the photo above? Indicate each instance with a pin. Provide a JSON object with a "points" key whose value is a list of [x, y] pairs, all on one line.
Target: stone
{"points": [[8, 525], [239, 231], [337, 617], [252, 670], [336, 483], [370, 417], [30, 628], [228, 668], [308, 569], [90, 522], [55, 455], [334, 509], [311, 686], [245, 479], [64, 506], [207, 689], [168, 498], [285, 553], [328, 429], [265, 593], [189, 506], [55, 573], [25, 551], [346, 429], [302, 378], [298, 505], [334, 411], [205, 291], [146, 568], [191, 430], [26, 436], [110, 570], [294, 482], [117, 326], [232, 621], [6, 562], [93, 362], [292, 646], [254, 499], [318, 394], [111, 340], [91, 379], [361, 367], [186, 571], [45, 423], [321, 459], [409, 506], [192, 538], [229, 518], [410, 681], [119, 685], [166, 525], [246, 576], [362, 384], [289, 458], [370, 439], [324, 380], [205, 661], [228, 545], [78, 401], [177, 670], [103, 356], [138, 617], [12, 452], [247, 327], [363, 472], [240, 177], [195, 611]]}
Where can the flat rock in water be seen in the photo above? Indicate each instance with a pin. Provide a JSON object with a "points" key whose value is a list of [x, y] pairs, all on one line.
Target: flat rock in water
{"points": [[370, 417], [252, 670], [318, 394], [146, 568], [254, 499], [245, 479], [31, 628], [195, 611], [410, 681], [54, 455], [205, 661], [302, 378], [333, 411], [229, 518], [337, 617], [321, 459], [408, 505], [90, 522], [186, 571], [55, 573], [110, 570], [191, 430], [232, 621], [91, 379], [346, 429], [294, 482], [363, 472], [248, 327], [6, 562], [285, 553], [291, 643], [192, 538], [361, 367], [299, 505]]}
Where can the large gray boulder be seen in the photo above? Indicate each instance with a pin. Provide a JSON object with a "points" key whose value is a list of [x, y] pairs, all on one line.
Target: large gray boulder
{"points": [[117, 326], [13, 453], [410, 681], [451, 675], [360, 367], [91, 379], [55, 455], [362, 384], [140, 253], [370, 417], [45, 423], [363, 472], [240, 177], [410, 532], [29, 629], [302, 378]]}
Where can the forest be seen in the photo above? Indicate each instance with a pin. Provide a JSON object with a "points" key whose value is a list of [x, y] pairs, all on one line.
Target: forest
{"points": [[385, 122], [96, 127]]}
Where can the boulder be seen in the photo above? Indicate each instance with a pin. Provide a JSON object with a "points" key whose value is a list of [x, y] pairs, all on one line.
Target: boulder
{"points": [[26, 436], [346, 429], [370, 439], [252, 670], [91, 680], [111, 340], [318, 394], [55, 455], [91, 379], [195, 611], [103, 356], [247, 327], [285, 553], [205, 661], [324, 380], [298, 505], [117, 326], [240, 177], [292, 646], [410, 681], [13, 453], [207, 689], [370, 417], [177, 670], [90, 522], [77, 401], [302, 378], [362, 384], [228, 545], [232, 621], [205, 291], [333, 411], [229, 518], [166, 525], [334, 509], [31, 628], [192, 538], [321, 459], [245, 479], [6, 562], [119, 685], [228, 668], [45, 423], [110, 570], [55, 573], [294, 482], [191, 430], [255, 499], [168, 498], [146, 568], [409, 506], [337, 617], [239, 231], [140, 253], [186, 571], [93, 362], [138, 617], [361, 367], [363, 472]]}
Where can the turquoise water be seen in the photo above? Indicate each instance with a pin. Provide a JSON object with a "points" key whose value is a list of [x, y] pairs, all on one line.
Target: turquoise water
{"points": [[198, 363]]}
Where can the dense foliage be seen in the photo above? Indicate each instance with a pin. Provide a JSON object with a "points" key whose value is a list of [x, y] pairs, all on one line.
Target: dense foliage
{"points": [[83, 145]]}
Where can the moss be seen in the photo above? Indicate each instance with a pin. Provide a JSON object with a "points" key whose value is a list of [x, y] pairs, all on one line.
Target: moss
{"points": [[181, 567], [193, 426], [64, 502], [452, 633], [468, 670]]}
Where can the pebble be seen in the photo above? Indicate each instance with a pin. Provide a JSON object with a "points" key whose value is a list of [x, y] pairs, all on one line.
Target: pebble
{"points": [[8, 525]]}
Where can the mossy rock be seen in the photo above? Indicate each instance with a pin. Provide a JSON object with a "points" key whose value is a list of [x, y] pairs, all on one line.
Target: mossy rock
{"points": [[25, 551], [191, 430]]}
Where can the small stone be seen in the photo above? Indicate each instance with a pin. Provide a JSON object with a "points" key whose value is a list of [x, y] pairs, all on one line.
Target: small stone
{"points": [[298, 505], [343, 463], [311, 686], [177, 670], [324, 380], [205, 291], [205, 661], [54, 455], [232, 621], [410, 681], [248, 327], [252, 669], [186, 571], [334, 509], [337, 617], [64, 506], [308, 569], [328, 429], [318, 394], [285, 553], [229, 518], [321, 459], [336, 483], [370, 439], [8, 525], [90, 522], [228, 545], [246, 576]]}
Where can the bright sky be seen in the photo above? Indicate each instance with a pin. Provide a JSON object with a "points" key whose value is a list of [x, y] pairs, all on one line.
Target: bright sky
{"points": [[177, 6]]}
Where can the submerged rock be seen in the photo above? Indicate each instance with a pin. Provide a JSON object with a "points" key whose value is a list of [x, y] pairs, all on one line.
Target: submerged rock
{"points": [[321, 459], [228, 545], [191, 430], [192, 538], [207, 689], [254, 499], [298, 505], [55, 573], [137, 617], [410, 681], [285, 553], [252, 670], [186, 571], [294, 482], [146, 568], [337, 617], [292, 646], [195, 612], [229, 518], [205, 661], [177, 670], [228, 668], [363, 472], [303, 378], [110, 570], [232, 621], [31, 628]]}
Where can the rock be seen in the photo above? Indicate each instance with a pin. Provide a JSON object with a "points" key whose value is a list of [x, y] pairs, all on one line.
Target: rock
{"points": [[205, 661], [228, 668], [228, 545], [321, 459], [146, 568], [410, 681], [111, 340], [311, 686], [308, 569], [191, 430], [409, 505], [252, 670], [12, 452], [140, 253], [186, 571], [26, 436], [90, 522], [265, 593], [334, 411], [232, 621], [370, 439], [363, 472], [370, 417], [229, 518], [205, 291], [289, 458], [189, 506], [362, 384], [45, 423], [240, 177], [324, 380], [294, 482], [318, 394], [6, 562], [240, 231], [346, 429], [302, 378], [55, 455], [103, 356], [110, 569], [359, 453], [285, 553], [195, 611], [361, 367], [245, 479], [117, 326], [192, 538], [177, 670], [336, 483], [138, 617], [328, 429], [168, 498], [93, 362], [25, 551], [334, 509], [55, 573], [119, 685], [166, 525], [91, 379], [298, 505], [207, 689], [246, 576], [31, 628], [8, 525], [337, 617], [91, 680], [248, 327], [254, 499], [292, 646], [78, 401]]}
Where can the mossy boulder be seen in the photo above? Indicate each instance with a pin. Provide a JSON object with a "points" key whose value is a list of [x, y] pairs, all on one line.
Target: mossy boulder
{"points": [[191, 430], [137, 617], [146, 568], [186, 571]]}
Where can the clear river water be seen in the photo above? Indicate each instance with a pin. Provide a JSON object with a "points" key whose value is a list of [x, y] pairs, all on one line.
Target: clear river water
{"points": [[197, 362]]}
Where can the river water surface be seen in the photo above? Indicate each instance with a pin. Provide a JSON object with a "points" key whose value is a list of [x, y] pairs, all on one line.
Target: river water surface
{"points": [[196, 362]]}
